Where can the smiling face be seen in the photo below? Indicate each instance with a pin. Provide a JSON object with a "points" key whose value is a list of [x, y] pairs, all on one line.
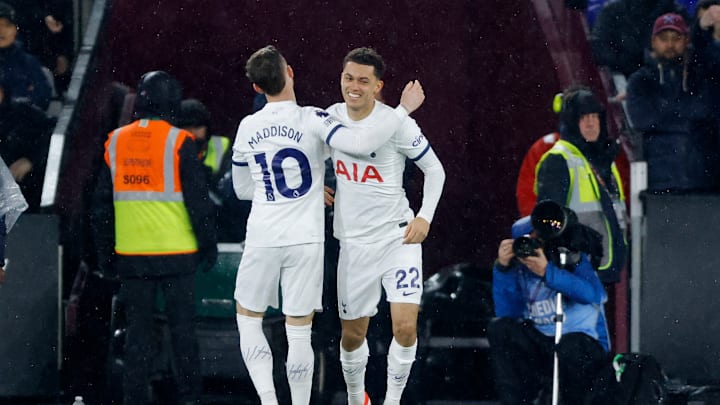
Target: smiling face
{"points": [[8, 32], [359, 86]]}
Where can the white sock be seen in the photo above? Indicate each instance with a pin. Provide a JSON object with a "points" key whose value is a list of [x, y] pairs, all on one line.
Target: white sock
{"points": [[353, 366], [400, 360], [300, 363], [257, 356]]}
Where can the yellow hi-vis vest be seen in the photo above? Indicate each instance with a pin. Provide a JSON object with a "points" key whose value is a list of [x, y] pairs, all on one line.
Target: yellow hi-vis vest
{"points": [[217, 146], [584, 195], [150, 213]]}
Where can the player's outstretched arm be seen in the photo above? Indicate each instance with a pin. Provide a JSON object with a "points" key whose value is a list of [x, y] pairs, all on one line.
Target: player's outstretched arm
{"points": [[412, 96]]}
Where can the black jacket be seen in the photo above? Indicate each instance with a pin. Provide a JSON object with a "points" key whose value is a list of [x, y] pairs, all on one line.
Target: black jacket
{"points": [[669, 103], [707, 52], [24, 132], [623, 30]]}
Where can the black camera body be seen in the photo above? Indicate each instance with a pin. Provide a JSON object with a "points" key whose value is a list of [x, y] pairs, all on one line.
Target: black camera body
{"points": [[525, 246]]}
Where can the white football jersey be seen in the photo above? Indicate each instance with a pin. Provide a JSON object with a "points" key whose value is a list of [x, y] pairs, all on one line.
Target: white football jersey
{"points": [[370, 203], [284, 146]]}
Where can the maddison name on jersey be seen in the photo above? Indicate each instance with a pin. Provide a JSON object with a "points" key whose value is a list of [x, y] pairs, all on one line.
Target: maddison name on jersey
{"points": [[273, 131]]}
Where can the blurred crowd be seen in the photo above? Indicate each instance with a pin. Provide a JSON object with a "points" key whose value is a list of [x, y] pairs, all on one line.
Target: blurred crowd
{"points": [[36, 53]]}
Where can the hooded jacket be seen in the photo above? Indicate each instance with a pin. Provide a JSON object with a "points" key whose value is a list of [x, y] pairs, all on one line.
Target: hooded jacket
{"points": [[669, 103], [554, 180], [623, 29]]}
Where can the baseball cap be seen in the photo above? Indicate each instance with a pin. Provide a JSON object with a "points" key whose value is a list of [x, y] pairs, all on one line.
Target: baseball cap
{"points": [[6, 11], [670, 21]]}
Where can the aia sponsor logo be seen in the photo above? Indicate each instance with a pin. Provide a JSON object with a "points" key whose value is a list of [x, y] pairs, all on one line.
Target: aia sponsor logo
{"points": [[357, 173]]}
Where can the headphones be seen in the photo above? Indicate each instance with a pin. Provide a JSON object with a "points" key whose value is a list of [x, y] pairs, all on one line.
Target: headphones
{"points": [[557, 103]]}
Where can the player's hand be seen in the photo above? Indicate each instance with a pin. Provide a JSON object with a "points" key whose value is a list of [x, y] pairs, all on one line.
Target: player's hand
{"points": [[505, 252], [412, 96], [537, 263], [2, 275], [329, 199], [416, 231]]}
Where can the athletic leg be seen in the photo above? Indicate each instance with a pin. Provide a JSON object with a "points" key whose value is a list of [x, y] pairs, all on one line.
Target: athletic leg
{"points": [[256, 288], [354, 354], [301, 279], [403, 348], [300, 358], [256, 354]]}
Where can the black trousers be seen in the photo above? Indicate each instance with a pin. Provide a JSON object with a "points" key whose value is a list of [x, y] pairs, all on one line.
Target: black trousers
{"points": [[139, 297], [522, 361]]}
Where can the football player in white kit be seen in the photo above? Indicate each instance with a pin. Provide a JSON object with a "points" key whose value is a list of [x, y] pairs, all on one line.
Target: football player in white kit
{"points": [[278, 162], [379, 234]]}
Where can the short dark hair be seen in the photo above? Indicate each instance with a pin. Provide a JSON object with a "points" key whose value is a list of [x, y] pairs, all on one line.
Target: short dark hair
{"points": [[369, 57], [266, 69]]}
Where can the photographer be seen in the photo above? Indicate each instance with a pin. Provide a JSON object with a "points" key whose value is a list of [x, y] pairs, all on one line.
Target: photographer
{"points": [[525, 285]]}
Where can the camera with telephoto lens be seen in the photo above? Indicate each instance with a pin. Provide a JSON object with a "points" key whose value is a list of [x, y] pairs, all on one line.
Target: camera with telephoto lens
{"points": [[557, 226], [525, 246]]}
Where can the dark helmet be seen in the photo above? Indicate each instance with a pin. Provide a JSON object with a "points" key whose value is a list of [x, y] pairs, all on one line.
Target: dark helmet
{"points": [[193, 113], [158, 95]]}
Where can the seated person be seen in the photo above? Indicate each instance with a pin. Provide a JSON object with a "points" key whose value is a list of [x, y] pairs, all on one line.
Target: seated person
{"points": [[522, 336], [21, 71]]}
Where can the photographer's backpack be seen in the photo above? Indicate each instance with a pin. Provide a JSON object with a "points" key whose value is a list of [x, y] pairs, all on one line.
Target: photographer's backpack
{"points": [[640, 379]]}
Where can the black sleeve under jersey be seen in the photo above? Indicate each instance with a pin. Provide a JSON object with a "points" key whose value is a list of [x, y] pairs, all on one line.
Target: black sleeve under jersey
{"points": [[102, 214], [195, 195], [553, 180]]}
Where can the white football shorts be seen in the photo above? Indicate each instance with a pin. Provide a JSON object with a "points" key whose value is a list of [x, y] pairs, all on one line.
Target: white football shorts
{"points": [[294, 271], [364, 268]]}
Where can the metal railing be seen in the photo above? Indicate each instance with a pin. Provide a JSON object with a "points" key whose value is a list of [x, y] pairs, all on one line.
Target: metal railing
{"points": [[79, 78]]}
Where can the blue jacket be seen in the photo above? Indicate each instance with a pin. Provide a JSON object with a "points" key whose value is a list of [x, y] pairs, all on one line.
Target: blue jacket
{"points": [[23, 76], [519, 293]]}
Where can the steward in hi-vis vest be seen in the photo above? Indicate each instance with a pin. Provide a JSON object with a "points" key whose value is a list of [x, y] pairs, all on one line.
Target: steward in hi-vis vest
{"points": [[154, 226], [579, 172]]}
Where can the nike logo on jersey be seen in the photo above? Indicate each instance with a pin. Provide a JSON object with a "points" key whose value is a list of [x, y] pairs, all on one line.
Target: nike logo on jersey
{"points": [[357, 173], [407, 293]]}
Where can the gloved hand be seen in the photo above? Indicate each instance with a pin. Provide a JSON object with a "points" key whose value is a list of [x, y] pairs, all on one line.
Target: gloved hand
{"points": [[207, 257]]}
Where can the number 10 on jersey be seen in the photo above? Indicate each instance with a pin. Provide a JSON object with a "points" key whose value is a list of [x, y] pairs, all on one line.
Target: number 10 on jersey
{"points": [[275, 171]]}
